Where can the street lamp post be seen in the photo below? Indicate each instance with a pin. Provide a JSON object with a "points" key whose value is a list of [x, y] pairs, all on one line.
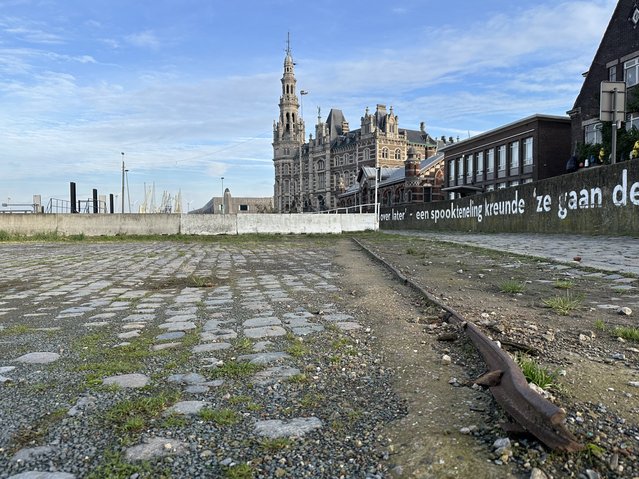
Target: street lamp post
{"points": [[223, 195], [122, 210]]}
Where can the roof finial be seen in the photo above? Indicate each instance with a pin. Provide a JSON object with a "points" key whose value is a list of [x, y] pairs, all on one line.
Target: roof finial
{"points": [[288, 43]]}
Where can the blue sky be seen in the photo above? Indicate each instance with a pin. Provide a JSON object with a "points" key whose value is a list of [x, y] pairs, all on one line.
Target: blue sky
{"points": [[189, 89]]}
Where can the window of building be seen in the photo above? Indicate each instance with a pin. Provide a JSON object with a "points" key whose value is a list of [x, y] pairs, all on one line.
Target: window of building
{"points": [[592, 134], [384, 152], [514, 157], [480, 163], [514, 183], [632, 121], [320, 165], [469, 167], [287, 170], [398, 154], [501, 158], [528, 151], [244, 207], [631, 72], [501, 186], [490, 158], [612, 73], [527, 180], [460, 168], [490, 188], [367, 154], [451, 171], [321, 181]]}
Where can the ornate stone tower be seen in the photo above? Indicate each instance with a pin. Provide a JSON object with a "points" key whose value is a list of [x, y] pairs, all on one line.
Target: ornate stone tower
{"points": [[288, 137]]}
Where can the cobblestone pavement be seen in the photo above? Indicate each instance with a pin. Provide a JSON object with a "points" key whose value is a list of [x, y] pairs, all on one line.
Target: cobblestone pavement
{"points": [[97, 338], [610, 253]]}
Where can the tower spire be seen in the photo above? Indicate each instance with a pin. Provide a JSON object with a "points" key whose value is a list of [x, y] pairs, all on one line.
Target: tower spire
{"points": [[288, 43]]}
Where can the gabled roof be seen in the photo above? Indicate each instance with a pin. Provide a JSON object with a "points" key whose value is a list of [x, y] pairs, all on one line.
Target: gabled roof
{"points": [[399, 175]]}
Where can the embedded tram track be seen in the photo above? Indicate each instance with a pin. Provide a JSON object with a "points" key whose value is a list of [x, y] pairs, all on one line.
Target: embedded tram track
{"points": [[530, 411]]}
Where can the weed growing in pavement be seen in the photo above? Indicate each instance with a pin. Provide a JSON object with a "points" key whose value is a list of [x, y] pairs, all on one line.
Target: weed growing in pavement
{"points": [[563, 284], [272, 446], [564, 305], [600, 325], [135, 412], [114, 466], [344, 345], [38, 430], [537, 374], [311, 400], [173, 420], [298, 379], [15, 330], [630, 334], [221, 417], [511, 287], [235, 370], [243, 345], [247, 401], [594, 450], [297, 349], [413, 252], [239, 471]]}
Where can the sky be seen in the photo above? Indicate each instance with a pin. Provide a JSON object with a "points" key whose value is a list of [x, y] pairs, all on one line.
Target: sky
{"points": [[188, 89]]}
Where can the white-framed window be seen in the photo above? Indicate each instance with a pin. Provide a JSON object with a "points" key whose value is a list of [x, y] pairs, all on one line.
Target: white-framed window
{"points": [[528, 151], [469, 167], [480, 163], [612, 73], [514, 154], [514, 183], [243, 207], [460, 168], [351, 159], [501, 158], [632, 121], [451, 171], [490, 158], [526, 181], [501, 186], [384, 152], [398, 154], [490, 188], [631, 72], [592, 134]]}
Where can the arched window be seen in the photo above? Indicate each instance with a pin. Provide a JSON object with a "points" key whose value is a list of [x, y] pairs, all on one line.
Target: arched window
{"points": [[384, 152], [286, 170], [320, 165], [398, 154]]}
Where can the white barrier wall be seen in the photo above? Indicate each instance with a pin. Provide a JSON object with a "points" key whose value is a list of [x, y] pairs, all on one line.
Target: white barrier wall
{"points": [[208, 225], [166, 224]]}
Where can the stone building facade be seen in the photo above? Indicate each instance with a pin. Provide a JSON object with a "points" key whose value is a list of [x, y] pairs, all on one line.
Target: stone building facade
{"points": [[309, 176]]}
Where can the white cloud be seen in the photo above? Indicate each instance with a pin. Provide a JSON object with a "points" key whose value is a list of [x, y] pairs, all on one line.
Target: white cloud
{"points": [[145, 39]]}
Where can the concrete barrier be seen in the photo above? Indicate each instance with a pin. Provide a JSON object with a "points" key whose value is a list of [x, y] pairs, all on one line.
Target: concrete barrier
{"points": [[599, 200], [208, 224], [90, 224], [173, 224]]}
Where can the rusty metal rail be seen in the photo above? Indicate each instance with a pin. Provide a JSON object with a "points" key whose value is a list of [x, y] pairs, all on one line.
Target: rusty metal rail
{"points": [[504, 378]]}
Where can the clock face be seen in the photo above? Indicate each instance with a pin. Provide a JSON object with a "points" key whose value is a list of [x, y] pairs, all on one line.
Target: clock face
{"points": [[635, 16]]}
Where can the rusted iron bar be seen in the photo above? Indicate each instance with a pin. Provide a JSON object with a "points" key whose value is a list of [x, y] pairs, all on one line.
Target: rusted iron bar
{"points": [[505, 380]]}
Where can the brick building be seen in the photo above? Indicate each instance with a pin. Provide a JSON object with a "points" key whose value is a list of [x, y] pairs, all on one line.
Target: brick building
{"points": [[616, 59], [527, 150]]}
